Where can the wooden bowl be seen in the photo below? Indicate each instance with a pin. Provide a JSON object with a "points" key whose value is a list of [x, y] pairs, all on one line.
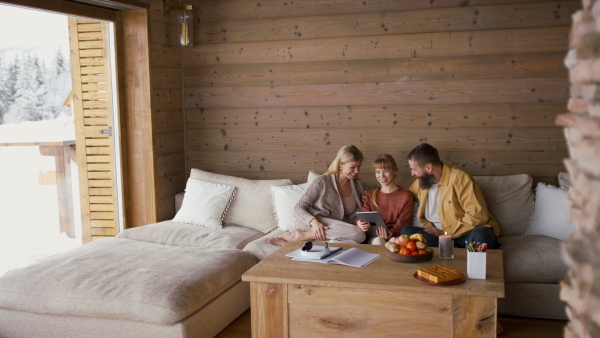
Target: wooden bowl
{"points": [[410, 258]]}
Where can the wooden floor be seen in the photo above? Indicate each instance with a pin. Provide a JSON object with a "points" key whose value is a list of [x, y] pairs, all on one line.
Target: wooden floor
{"points": [[512, 328]]}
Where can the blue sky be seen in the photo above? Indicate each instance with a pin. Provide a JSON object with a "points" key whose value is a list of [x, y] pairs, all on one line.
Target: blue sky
{"points": [[26, 28]]}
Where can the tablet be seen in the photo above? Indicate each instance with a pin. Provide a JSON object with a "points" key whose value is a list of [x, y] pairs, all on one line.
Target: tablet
{"points": [[372, 217]]}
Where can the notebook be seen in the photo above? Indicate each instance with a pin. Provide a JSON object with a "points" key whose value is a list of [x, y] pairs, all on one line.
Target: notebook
{"points": [[352, 257]]}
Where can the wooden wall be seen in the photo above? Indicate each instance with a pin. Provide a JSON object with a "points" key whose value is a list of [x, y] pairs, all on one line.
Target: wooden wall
{"points": [[167, 114], [274, 89]]}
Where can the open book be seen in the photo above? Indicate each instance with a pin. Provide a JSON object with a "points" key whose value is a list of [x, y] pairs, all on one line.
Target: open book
{"points": [[352, 257]]}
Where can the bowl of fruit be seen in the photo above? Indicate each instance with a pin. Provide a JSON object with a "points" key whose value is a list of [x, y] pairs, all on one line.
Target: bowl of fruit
{"points": [[409, 249]]}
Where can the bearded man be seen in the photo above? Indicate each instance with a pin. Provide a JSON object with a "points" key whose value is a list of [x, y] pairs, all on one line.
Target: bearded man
{"points": [[450, 202]]}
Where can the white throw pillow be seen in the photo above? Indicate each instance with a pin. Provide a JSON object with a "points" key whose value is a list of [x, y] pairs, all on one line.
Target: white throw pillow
{"points": [[284, 201], [205, 203], [550, 213]]}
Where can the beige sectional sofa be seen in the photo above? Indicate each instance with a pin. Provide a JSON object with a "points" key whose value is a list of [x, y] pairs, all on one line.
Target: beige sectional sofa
{"points": [[173, 279]]}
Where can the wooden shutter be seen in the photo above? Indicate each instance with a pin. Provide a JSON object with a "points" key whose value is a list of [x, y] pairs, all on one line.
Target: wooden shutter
{"points": [[93, 103]]}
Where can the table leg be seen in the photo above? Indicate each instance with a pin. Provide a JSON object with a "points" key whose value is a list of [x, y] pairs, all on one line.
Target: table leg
{"points": [[474, 316], [268, 310]]}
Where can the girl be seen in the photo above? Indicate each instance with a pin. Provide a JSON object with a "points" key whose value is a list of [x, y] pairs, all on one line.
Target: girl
{"points": [[394, 204]]}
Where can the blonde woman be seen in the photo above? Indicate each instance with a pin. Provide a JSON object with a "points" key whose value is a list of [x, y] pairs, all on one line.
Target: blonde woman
{"points": [[327, 211], [394, 204]]}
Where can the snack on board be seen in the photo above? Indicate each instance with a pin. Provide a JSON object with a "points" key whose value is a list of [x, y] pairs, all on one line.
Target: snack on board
{"points": [[439, 274]]}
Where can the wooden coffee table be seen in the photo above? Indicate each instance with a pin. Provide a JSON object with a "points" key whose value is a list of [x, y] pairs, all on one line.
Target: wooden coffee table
{"points": [[306, 299]]}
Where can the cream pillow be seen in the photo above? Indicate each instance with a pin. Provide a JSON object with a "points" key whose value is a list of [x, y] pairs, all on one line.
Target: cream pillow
{"points": [[205, 203], [284, 201], [550, 213], [252, 207]]}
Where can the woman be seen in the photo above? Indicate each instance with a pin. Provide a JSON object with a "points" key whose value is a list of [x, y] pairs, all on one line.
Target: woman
{"points": [[327, 211], [394, 204]]}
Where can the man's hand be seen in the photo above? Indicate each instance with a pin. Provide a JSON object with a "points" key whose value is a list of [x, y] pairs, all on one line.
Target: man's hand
{"points": [[433, 231]]}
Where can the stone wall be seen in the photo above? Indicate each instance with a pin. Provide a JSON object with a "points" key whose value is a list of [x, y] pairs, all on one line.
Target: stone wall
{"points": [[581, 289]]}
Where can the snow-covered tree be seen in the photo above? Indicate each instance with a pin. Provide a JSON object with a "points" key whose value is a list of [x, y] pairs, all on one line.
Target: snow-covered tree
{"points": [[4, 96], [29, 91], [58, 86]]}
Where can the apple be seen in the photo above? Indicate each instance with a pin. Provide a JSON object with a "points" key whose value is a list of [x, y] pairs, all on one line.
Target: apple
{"points": [[402, 240]]}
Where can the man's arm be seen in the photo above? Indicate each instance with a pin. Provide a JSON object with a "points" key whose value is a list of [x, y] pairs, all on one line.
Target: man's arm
{"points": [[474, 209]]}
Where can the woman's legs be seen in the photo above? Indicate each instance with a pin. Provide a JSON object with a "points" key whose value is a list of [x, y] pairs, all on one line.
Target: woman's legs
{"points": [[338, 232], [292, 236], [342, 232]]}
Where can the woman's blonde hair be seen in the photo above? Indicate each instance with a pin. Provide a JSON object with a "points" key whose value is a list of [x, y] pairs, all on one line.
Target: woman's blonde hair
{"points": [[385, 162], [348, 153]]}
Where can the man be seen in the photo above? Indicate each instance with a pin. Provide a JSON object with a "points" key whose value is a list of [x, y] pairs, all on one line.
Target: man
{"points": [[450, 201]]}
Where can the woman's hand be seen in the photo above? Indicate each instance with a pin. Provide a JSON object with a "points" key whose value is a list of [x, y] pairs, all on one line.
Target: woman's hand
{"points": [[362, 225], [383, 233], [318, 229]]}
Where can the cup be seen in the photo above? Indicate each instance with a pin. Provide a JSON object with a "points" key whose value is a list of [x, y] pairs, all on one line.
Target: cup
{"points": [[476, 264], [446, 245]]}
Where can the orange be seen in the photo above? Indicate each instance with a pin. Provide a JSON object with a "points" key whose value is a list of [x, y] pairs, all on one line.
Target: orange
{"points": [[422, 252], [414, 253], [404, 251], [411, 246]]}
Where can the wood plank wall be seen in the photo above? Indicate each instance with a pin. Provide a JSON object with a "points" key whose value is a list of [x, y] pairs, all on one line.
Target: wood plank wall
{"points": [[167, 114], [274, 89]]}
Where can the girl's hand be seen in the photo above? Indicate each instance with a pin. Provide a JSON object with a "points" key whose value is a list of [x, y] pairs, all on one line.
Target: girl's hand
{"points": [[383, 233], [364, 226]]}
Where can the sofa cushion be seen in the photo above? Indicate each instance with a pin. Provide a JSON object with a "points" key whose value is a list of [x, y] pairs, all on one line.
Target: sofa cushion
{"points": [[509, 200], [284, 201], [532, 259], [182, 234], [117, 278], [205, 203], [251, 206], [551, 214]]}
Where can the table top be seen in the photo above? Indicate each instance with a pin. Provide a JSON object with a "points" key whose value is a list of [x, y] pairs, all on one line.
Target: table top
{"points": [[383, 273]]}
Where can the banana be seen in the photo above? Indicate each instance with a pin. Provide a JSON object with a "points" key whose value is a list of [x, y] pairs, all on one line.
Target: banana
{"points": [[418, 237]]}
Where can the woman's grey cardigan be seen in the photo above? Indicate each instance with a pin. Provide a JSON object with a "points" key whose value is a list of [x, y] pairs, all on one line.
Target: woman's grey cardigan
{"points": [[322, 200]]}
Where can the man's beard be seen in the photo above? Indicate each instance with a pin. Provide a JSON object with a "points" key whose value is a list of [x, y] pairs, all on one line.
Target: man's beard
{"points": [[426, 181]]}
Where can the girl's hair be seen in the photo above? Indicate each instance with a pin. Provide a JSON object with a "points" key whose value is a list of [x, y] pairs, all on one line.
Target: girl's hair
{"points": [[385, 162], [348, 153]]}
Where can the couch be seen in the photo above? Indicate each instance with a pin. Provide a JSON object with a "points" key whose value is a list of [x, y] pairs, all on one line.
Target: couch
{"points": [[180, 279]]}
